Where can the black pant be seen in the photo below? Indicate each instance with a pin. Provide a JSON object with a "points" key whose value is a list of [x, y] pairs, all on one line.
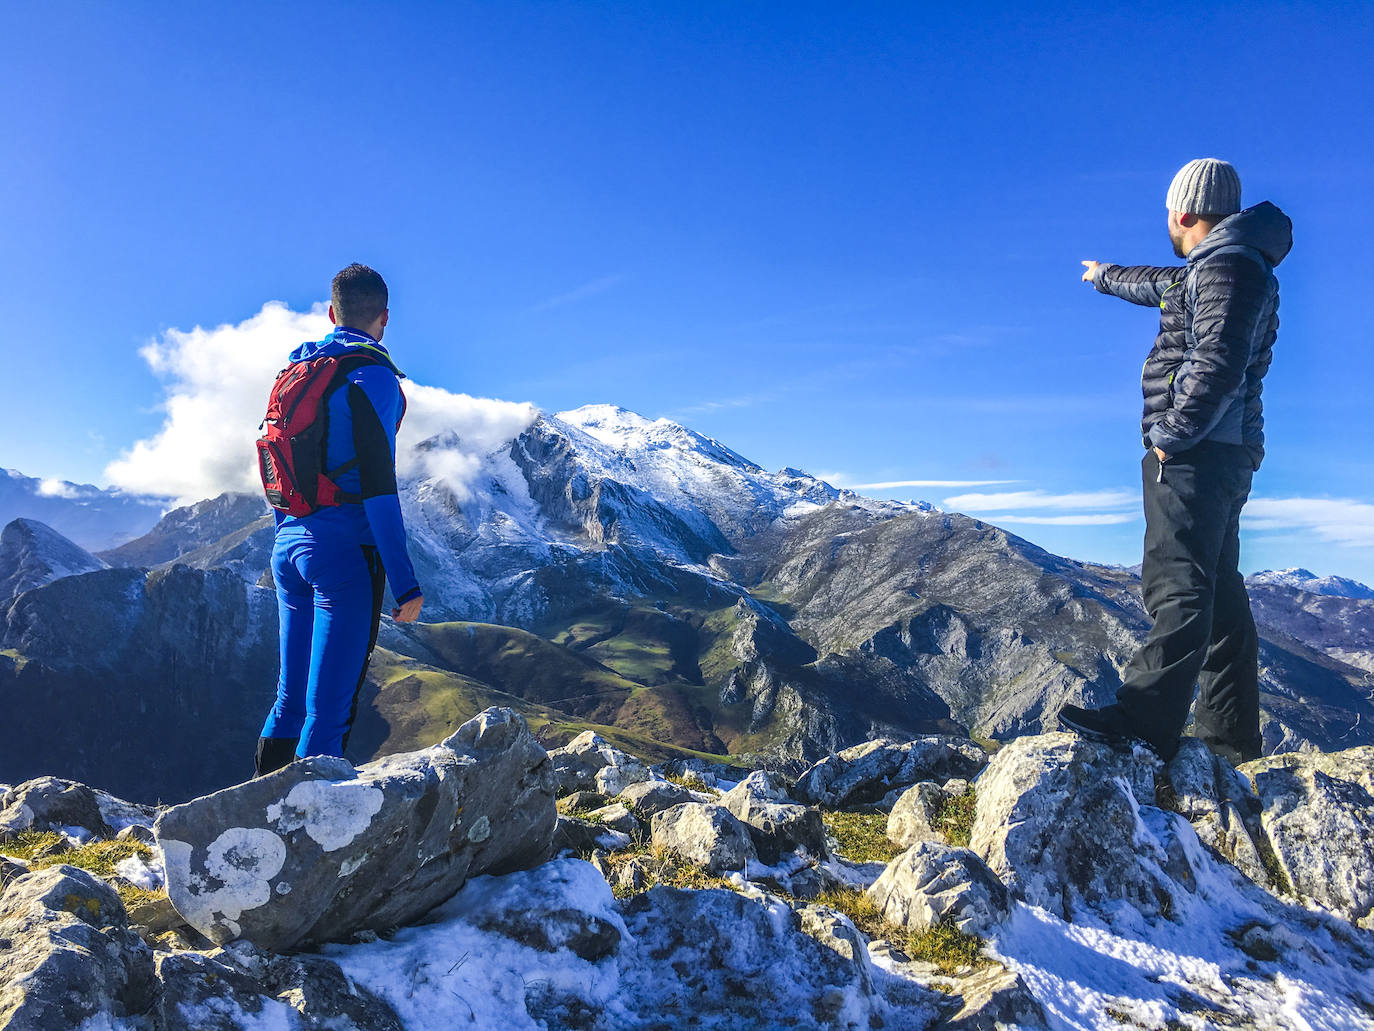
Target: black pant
{"points": [[1203, 631]]}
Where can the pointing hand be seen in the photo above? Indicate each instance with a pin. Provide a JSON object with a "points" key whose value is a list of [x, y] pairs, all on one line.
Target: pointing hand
{"points": [[1090, 270]]}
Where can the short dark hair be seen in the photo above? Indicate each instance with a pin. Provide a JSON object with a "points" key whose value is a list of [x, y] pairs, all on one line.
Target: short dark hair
{"points": [[358, 295]]}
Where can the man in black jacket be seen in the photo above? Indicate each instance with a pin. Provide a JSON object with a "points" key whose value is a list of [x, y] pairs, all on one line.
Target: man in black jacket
{"points": [[1203, 429]]}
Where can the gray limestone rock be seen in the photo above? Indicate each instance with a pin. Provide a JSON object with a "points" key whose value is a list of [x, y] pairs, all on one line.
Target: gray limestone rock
{"points": [[653, 796], [137, 832], [616, 816], [707, 835], [761, 784], [50, 804], [1059, 821], [837, 932], [995, 999], [1221, 806], [10, 870], [932, 882], [319, 850], [915, 814], [68, 954], [241, 988], [583, 800], [1319, 816], [582, 836], [206, 993], [727, 961], [776, 825], [324, 999], [868, 771], [589, 762]]}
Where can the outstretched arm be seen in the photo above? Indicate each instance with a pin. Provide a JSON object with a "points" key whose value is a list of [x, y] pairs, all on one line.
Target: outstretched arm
{"points": [[1139, 284]]}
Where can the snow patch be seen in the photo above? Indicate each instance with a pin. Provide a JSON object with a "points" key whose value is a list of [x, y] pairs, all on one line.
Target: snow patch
{"points": [[146, 874]]}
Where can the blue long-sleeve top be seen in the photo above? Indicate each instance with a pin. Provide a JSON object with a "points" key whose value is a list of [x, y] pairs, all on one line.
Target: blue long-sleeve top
{"points": [[364, 414]]}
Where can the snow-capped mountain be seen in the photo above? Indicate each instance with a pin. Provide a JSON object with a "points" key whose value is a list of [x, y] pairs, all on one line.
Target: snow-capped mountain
{"points": [[33, 554], [93, 518], [596, 492], [1309, 583]]}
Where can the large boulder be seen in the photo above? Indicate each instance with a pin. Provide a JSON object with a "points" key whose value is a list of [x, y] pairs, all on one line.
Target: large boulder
{"points": [[68, 955], [776, 825], [867, 772], [319, 850], [1060, 821], [707, 835], [1319, 816], [589, 762], [931, 883]]}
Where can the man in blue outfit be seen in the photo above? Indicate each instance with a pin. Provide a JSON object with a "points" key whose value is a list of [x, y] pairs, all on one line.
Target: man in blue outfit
{"points": [[330, 567]]}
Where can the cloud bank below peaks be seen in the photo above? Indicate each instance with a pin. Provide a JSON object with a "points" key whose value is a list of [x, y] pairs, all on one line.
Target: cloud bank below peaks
{"points": [[216, 383]]}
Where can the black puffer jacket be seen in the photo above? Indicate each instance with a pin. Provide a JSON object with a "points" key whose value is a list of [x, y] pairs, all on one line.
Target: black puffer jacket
{"points": [[1218, 320]]}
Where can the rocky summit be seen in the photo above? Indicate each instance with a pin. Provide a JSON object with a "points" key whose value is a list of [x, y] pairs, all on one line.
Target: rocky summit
{"points": [[919, 884]]}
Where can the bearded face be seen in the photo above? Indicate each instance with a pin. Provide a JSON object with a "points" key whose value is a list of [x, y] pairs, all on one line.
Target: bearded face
{"points": [[1176, 234]]}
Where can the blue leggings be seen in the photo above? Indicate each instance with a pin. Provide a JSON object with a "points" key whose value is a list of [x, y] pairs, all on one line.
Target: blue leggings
{"points": [[329, 601]]}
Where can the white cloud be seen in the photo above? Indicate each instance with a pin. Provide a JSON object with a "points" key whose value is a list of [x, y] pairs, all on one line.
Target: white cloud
{"points": [[481, 425], [58, 489], [894, 484], [1091, 519], [1337, 520], [1039, 499], [217, 381], [1012, 507]]}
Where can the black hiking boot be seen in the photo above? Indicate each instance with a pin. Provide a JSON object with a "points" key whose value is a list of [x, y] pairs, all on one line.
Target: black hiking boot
{"points": [[274, 753], [1109, 726]]}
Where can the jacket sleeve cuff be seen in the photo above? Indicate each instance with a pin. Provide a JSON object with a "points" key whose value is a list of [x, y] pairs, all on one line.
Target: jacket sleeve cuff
{"points": [[410, 595], [1099, 279]]}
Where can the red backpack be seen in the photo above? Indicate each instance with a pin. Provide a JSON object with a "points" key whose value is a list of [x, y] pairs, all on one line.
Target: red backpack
{"points": [[291, 451]]}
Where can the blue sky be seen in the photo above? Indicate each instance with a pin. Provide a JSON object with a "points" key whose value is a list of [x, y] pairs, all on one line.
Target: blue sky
{"points": [[842, 237]]}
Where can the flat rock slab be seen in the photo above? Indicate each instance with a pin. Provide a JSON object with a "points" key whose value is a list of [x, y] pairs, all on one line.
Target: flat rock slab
{"points": [[319, 850]]}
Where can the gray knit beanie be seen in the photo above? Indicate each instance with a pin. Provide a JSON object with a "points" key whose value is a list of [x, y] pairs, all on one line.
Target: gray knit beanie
{"points": [[1206, 186]]}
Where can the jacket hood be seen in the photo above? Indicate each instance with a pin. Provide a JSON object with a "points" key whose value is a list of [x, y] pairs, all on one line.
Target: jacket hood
{"points": [[1264, 228], [341, 343]]}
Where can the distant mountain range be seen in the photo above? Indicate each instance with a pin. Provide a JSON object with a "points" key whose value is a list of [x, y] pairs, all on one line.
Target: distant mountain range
{"points": [[92, 518], [604, 570]]}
